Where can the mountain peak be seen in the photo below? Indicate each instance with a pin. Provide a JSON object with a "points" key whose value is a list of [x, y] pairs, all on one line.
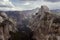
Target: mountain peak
{"points": [[44, 8]]}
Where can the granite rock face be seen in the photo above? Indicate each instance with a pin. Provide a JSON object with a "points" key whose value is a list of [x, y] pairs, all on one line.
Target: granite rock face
{"points": [[45, 25], [5, 26]]}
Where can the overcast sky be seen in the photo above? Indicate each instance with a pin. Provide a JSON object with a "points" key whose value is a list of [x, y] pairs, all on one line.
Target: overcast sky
{"points": [[29, 4]]}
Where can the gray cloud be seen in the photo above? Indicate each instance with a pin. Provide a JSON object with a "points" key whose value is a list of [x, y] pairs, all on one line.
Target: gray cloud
{"points": [[40, 0], [26, 0], [30, 4], [52, 0]]}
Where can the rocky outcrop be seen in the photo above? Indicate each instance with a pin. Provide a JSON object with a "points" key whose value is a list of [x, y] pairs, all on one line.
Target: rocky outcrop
{"points": [[6, 25], [45, 25]]}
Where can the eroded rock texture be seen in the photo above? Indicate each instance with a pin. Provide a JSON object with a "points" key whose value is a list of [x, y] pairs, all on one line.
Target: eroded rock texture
{"points": [[6, 25], [45, 25]]}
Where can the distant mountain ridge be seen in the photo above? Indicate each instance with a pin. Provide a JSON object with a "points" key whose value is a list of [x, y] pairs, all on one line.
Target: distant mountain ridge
{"points": [[56, 10], [21, 15]]}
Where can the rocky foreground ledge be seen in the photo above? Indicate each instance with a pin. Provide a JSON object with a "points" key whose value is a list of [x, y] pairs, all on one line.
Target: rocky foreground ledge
{"points": [[45, 25]]}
